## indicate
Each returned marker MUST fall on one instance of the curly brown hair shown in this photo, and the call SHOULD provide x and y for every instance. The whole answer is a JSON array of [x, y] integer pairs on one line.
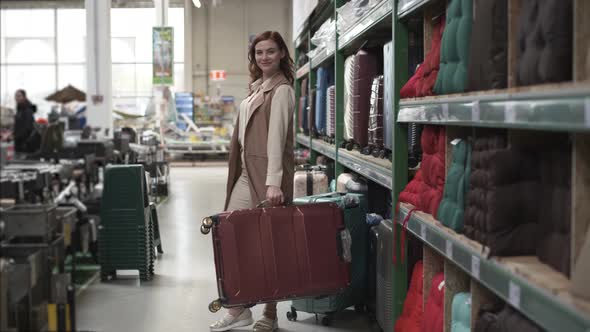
[[286, 66]]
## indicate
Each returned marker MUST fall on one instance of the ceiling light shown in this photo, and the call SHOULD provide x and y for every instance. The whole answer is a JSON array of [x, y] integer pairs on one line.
[[197, 3]]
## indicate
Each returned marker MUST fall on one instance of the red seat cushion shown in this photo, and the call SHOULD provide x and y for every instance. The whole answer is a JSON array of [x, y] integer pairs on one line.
[[423, 80], [434, 314], [425, 191], [411, 318]]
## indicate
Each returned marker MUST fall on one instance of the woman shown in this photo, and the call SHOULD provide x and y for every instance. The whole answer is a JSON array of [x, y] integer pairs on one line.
[[23, 121], [261, 161]]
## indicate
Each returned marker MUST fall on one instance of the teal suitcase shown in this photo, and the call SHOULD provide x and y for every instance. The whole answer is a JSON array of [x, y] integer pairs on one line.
[[355, 211]]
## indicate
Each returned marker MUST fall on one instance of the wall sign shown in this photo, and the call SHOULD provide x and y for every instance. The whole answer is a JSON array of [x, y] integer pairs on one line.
[[163, 56]]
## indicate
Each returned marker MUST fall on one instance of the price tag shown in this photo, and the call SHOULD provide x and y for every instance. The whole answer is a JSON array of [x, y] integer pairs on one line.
[[449, 249], [445, 111], [475, 266], [587, 111], [509, 113], [423, 231], [514, 294], [475, 116]]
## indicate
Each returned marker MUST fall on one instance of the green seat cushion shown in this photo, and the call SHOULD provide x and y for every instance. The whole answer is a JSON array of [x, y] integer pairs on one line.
[[455, 48], [452, 206], [461, 313]]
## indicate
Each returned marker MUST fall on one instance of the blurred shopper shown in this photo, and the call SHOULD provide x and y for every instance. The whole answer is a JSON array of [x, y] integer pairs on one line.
[[261, 160], [23, 121]]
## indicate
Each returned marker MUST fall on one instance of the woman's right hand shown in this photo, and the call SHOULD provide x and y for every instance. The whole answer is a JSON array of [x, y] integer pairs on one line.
[[274, 195]]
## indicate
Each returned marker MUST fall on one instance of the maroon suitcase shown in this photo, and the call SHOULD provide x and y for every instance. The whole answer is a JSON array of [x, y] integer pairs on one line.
[[363, 73], [280, 253]]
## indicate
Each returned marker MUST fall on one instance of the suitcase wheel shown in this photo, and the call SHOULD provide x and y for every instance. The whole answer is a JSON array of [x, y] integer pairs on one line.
[[206, 225], [292, 315], [215, 306], [359, 308], [208, 222], [205, 230], [377, 153], [327, 320], [349, 146]]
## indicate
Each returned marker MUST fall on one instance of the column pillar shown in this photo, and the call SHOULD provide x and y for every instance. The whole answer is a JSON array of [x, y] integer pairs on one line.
[[98, 68], [188, 45]]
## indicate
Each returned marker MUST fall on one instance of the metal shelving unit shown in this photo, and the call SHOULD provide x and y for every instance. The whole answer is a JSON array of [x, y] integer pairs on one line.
[[538, 304], [370, 170], [303, 140], [324, 148], [560, 107], [407, 7], [364, 25], [555, 110], [322, 58], [303, 71]]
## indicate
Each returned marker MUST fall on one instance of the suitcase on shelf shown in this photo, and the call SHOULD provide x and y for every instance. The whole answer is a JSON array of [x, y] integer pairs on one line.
[[387, 95], [297, 251], [331, 114], [303, 127], [414, 147], [303, 108], [364, 71], [343, 180], [383, 237], [349, 64], [311, 127], [320, 102], [375, 130], [357, 185], [310, 181], [372, 266], [355, 211]]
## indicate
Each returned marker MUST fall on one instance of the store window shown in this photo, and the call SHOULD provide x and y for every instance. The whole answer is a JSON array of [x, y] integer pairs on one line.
[[131, 51], [28, 55], [51, 53]]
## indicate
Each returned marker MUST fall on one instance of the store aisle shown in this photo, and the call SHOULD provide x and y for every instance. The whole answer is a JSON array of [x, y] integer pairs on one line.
[[177, 298]]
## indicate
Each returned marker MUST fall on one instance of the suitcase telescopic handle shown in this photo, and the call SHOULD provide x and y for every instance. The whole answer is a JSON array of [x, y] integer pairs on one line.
[[316, 197]]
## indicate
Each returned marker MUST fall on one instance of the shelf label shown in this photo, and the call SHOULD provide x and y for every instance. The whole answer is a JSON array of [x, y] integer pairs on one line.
[[475, 116], [423, 231], [587, 111], [475, 266], [445, 111], [514, 294], [449, 249], [509, 113]]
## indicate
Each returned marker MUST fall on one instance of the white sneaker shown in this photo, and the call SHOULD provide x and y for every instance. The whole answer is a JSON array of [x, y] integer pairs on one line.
[[229, 322], [266, 325]]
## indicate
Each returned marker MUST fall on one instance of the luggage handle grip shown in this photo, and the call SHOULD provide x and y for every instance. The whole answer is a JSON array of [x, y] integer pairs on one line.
[[265, 203]]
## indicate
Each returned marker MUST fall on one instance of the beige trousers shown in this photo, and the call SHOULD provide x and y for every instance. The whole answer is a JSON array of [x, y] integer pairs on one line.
[[240, 196]]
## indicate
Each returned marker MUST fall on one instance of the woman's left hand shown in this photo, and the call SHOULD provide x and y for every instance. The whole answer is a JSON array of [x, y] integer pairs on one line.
[[274, 195]]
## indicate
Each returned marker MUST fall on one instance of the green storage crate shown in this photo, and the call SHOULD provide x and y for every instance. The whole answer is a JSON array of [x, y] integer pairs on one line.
[[126, 232], [355, 294]]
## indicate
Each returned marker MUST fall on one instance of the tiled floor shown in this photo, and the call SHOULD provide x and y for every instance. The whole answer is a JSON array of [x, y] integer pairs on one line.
[[176, 300]]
